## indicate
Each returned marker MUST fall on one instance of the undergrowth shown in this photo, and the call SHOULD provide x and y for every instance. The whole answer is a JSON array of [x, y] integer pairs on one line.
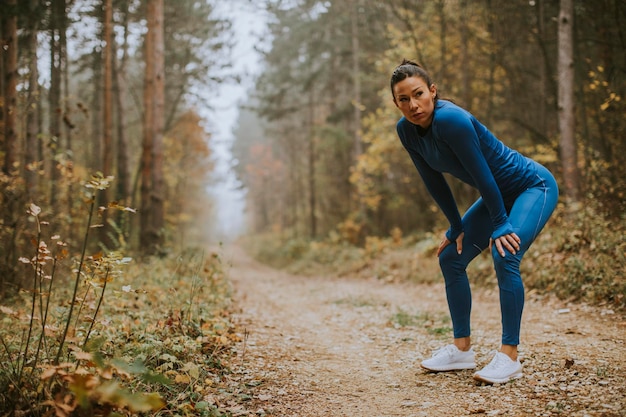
[[579, 256], [582, 258], [102, 335]]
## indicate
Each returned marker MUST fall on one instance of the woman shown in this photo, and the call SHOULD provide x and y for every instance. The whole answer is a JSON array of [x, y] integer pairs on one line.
[[517, 196]]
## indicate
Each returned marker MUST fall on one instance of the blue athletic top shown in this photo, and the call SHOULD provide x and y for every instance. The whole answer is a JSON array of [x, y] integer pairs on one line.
[[457, 143]]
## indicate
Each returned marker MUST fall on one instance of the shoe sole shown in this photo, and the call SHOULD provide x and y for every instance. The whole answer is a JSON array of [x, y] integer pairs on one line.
[[497, 380], [454, 367]]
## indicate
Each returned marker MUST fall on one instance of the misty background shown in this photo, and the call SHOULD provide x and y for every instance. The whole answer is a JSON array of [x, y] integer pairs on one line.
[[227, 190]]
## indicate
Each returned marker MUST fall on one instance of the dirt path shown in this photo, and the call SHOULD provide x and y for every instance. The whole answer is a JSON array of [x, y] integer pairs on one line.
[[333, 346]]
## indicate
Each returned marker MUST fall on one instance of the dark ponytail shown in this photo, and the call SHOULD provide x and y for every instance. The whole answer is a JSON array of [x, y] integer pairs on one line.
[[409, 69]]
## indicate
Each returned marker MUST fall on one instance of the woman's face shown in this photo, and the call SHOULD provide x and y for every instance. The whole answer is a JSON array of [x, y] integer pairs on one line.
[[416, 100]]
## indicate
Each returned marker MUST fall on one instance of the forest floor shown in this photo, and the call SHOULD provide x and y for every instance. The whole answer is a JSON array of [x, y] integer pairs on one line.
[[348, 346]]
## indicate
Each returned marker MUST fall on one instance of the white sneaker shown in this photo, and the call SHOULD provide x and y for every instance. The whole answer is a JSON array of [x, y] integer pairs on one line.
[[450, 358], [501, 369]]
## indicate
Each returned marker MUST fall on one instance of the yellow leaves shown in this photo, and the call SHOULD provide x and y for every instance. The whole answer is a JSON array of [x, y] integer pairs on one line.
[[377, 171], [112, 393], [82, 385], [187, 374], [192, 370], [612, 97], [358, 105], [142, 322], [117, 206], [99, 181], [94, 382], [542, 153], [89, 386], [372, 201], [350, 231], [182, 379], [601, 86]]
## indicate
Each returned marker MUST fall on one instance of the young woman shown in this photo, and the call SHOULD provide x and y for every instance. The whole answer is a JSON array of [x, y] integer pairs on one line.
[[517, 196]]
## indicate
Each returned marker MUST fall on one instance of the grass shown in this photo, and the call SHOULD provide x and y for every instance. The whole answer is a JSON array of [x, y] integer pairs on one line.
[[435, 324], [403, 318], [356, 302]]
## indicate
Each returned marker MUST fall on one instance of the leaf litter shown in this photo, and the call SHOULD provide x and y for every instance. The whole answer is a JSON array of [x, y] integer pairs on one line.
[[277, 344], [311, 347]]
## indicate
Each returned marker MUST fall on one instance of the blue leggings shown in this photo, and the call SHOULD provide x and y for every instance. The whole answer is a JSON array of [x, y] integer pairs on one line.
[[528, 215]]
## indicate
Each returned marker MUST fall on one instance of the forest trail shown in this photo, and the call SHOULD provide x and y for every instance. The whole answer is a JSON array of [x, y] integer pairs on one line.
[[334, 346]]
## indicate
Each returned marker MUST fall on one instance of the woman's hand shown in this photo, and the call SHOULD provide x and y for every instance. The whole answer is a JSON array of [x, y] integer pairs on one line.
[[445, 242], [509, 242]]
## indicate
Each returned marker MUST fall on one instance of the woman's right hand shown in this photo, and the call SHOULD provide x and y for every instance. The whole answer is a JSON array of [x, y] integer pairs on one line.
[[445, 242]]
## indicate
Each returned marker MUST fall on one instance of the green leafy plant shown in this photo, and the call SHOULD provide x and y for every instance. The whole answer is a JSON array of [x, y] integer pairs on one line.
[[50, 363]]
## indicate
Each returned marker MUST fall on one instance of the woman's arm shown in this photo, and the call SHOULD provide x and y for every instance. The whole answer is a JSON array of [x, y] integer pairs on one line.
[[457, 130], [439, 189]]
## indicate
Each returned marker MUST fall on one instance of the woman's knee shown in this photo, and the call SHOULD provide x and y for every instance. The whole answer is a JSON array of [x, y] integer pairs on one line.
[[506, 265], [450, 261]]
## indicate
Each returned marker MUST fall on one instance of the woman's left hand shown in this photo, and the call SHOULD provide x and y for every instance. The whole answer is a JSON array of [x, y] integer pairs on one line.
[[509, 242]]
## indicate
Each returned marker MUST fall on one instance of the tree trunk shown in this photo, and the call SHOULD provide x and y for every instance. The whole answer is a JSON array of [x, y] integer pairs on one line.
[[158, 182], [145, 222], [544, 69], [9, 54], [32, 156], [8, 119], [95, 151], [152, 215], [107, 116], [54, 101], [311, 173], [465, 74], [358, 99], [443, 50], [123, 165], [356, 71], [107, 113], [491, 12], [66, 147], [567, 142]]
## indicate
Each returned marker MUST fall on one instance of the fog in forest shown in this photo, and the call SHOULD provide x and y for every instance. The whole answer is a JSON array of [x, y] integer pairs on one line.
[[227, 191], [274, 117]]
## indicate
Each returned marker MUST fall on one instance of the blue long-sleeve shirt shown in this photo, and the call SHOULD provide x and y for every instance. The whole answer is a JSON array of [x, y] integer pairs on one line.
[[457, 143]]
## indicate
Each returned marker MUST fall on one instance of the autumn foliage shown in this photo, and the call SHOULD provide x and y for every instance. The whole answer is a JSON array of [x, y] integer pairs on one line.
[[118, 344], [324, 107]]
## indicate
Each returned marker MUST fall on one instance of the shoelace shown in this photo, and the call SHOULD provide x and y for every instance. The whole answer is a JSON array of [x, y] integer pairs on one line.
[[496, 362], [445, 350]]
